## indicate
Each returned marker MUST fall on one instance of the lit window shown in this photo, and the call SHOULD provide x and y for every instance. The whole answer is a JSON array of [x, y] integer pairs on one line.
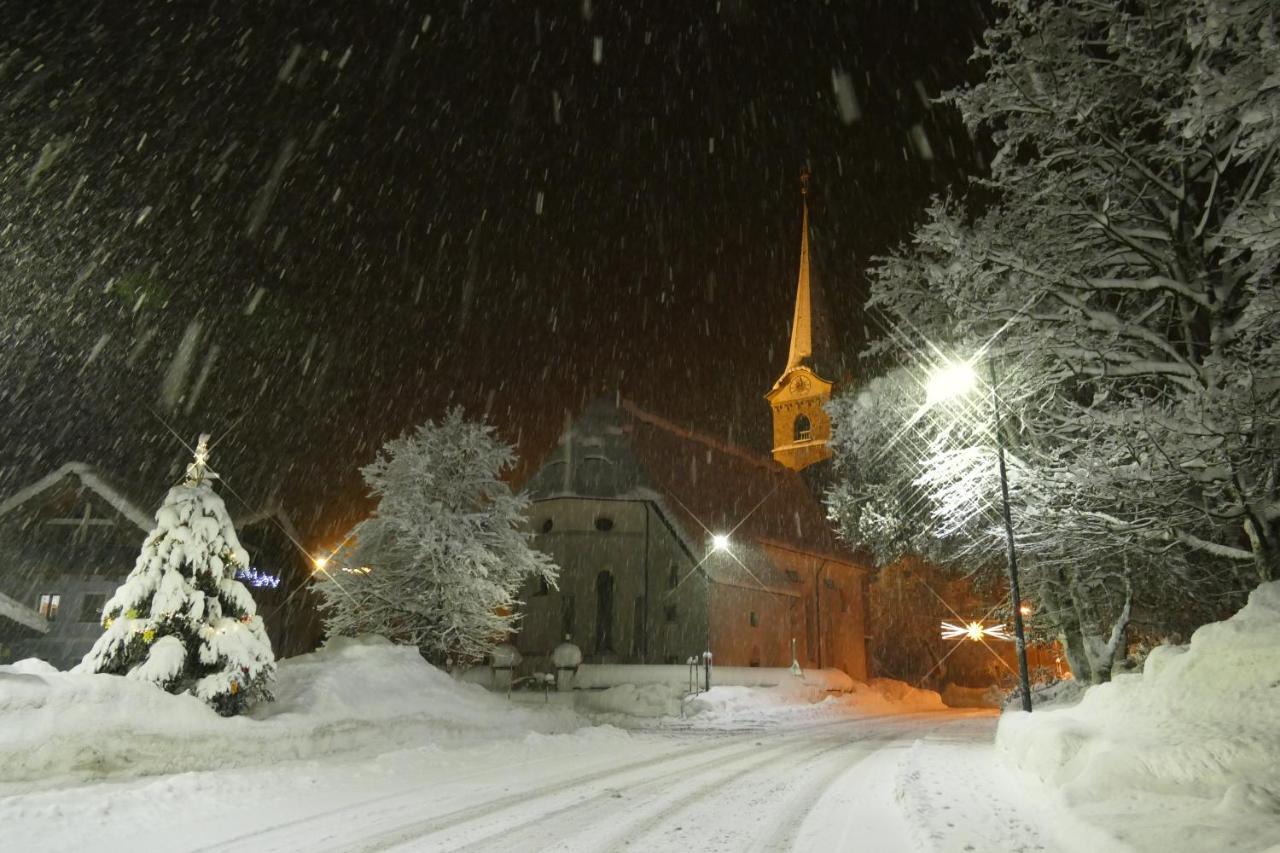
[[49, 606]]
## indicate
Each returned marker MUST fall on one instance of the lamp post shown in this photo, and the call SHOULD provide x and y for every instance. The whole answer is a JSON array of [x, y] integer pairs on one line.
[[953, 381]]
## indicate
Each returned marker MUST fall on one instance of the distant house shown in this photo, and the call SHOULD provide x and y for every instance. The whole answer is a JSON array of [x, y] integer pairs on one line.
[[69, 539], [672, 543]]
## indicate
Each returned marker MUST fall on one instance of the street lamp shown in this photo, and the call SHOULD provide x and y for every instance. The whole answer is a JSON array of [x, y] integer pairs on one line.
[[720, 542], [949, 382]]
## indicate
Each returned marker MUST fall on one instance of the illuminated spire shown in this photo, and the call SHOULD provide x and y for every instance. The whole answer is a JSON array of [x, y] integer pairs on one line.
[[802, 321]]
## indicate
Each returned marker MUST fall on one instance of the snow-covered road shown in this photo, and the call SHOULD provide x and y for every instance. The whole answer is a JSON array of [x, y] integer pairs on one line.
[[907, 782]]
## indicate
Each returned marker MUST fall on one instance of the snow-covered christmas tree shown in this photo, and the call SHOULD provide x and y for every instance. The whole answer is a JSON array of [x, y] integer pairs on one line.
[[438, 564], [181, 620]]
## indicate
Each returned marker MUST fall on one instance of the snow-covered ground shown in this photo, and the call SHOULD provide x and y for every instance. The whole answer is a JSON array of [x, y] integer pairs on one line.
[[1184, 756], [369, 748]]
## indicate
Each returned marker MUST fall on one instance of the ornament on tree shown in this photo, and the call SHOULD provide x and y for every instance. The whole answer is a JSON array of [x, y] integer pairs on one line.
[[181, 620]]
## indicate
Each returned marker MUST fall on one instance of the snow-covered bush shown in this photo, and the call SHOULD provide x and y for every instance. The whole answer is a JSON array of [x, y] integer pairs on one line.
[[181, 620], [438, 563]]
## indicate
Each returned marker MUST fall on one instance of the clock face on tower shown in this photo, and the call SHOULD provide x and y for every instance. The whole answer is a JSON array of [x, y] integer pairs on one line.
[[800, 384]]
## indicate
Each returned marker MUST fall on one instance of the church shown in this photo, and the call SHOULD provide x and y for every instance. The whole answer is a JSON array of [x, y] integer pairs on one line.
[[672, 543]]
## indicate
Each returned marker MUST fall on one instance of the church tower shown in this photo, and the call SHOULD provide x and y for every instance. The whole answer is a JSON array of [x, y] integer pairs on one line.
[[801, 429]]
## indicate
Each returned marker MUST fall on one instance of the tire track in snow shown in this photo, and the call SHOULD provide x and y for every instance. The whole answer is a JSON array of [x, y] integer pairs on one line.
[[377, 812], [541, 805], [602, 809], [785, 828]]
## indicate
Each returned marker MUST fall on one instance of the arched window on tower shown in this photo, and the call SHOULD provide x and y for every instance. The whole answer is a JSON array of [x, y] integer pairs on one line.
[[803, 429]]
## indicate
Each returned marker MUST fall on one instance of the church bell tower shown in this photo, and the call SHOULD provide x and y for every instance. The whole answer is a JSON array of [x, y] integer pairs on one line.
[[801, 429]]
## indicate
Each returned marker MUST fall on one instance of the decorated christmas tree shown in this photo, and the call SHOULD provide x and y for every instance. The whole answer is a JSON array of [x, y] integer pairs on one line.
[[181, 620]]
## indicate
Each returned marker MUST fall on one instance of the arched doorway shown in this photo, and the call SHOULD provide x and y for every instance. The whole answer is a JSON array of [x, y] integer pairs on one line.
[[604, 612]]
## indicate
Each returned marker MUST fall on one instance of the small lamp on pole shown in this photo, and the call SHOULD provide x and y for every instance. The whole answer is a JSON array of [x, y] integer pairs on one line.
[[955, 380]]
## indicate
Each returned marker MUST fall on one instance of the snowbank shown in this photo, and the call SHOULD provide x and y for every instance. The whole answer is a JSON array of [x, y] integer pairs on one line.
[[364, 694], [1189, 750], [597, 676], [729, 705]]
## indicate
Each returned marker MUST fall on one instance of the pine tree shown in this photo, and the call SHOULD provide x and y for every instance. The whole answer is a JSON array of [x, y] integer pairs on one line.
[[438, 564], [181, 620]]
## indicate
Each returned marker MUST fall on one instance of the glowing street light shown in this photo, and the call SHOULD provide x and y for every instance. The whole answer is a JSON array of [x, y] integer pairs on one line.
[[320, 563], [947, 383], [720, 542], [974, 631]]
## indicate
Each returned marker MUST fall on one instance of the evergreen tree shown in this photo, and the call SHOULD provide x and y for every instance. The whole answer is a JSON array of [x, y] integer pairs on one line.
[[438, 564], [181, 620]]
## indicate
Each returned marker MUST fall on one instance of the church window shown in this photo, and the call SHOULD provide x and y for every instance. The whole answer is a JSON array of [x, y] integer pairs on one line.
[[669, 612], [803, 428], [604, 523], [639, 630], [673, 576], [755, 619], [543, 586], [604, 612], [793, 575], [547, 525], [566, 616]]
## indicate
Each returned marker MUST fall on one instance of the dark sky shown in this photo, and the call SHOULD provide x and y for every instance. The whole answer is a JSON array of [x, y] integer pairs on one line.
[[360, 213]]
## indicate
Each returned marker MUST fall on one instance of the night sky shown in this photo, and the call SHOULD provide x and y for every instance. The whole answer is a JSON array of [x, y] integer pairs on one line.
[[358, 214]]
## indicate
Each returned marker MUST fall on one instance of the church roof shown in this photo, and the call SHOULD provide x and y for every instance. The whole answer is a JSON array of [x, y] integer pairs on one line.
[[615, 449]]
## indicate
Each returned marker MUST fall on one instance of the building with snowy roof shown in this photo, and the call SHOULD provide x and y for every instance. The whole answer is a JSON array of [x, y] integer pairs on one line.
[[70, 538]]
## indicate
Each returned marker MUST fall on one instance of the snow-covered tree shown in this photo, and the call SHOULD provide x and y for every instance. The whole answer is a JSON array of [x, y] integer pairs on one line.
[[1122, 276], [181, 620], [438, 563]]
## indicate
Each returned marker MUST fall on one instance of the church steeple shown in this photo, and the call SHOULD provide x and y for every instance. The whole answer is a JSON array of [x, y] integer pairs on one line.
[[802, 320], [801, 428]]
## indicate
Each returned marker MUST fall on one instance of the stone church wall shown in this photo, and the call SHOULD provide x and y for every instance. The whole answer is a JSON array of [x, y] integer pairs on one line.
[[616, 598]]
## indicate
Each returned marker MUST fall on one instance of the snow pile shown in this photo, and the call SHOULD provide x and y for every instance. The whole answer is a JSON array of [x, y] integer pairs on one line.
[[597, 676], [363, 693], [795, 700], [1190, 744]]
